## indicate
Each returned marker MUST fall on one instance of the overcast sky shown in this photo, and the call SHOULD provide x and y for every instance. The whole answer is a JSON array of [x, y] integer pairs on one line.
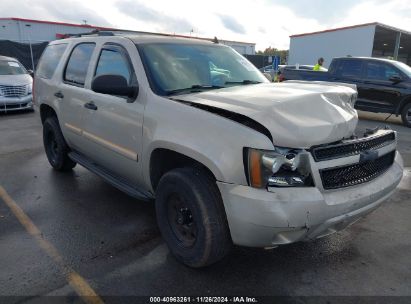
[[265, 22]]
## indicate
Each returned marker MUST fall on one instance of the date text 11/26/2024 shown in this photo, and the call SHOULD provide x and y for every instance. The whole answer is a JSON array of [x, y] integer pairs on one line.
[[239, 299]]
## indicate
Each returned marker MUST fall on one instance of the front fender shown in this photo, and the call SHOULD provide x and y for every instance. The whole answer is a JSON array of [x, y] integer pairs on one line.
[[214, 141]]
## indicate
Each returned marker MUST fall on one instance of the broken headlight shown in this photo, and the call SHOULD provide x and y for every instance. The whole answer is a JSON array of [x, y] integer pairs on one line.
[[279, 168]]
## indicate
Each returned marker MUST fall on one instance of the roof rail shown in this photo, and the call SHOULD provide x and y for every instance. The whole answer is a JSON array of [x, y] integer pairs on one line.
[[105, 33], [97, 32], [92, 33]]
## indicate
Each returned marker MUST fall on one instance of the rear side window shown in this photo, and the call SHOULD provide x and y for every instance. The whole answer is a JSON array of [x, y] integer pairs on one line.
[[350, 69], [112, 61], [49, 60], [77, 66]]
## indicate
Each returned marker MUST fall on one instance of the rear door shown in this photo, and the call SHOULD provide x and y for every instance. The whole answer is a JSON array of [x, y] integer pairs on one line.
[[381, 94], [71, 94], [113, 127]]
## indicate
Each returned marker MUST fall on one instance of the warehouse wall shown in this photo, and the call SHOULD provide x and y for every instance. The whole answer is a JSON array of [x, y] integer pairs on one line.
[[242, 48], [17, 31], [307, 49], [37, 32]]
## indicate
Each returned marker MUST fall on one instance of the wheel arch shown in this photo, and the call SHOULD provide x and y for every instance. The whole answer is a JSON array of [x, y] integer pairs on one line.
[[46, 111], [162, 160], [404, 101]]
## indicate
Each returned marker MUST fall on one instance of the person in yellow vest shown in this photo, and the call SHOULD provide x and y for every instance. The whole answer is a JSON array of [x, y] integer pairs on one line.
[[319, 64]]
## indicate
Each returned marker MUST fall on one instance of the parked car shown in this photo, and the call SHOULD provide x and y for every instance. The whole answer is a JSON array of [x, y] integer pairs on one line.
[[384, 86], [305, 67], [15, 86], [244, 162], [270, 70]]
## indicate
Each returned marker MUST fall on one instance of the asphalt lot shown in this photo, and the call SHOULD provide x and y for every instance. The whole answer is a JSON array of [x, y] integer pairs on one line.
[[112, 240]]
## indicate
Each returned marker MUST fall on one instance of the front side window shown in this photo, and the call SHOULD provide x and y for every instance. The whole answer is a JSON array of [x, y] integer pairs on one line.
[[380, 71], [49, 60], [113, 62], [77, 66], [8, 67], [174, 67]]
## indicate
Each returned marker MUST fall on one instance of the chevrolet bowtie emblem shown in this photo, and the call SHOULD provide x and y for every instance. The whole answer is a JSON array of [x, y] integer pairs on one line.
[[368, 155]]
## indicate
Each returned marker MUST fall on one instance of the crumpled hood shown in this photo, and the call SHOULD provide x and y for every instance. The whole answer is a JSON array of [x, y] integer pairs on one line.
[[298, 114], [15, 80]]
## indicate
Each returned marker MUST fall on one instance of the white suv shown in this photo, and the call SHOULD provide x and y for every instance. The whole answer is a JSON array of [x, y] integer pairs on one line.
[[228, 157]]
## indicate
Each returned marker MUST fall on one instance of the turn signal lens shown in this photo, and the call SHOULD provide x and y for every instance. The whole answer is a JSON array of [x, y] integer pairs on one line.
[[255, 169]]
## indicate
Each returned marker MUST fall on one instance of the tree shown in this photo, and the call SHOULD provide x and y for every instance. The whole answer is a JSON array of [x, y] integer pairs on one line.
[[275, 52]]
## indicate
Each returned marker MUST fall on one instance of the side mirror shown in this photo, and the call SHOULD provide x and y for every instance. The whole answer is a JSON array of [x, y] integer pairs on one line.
[[113, 85], [31, 73], [395, 79], [268, 76]]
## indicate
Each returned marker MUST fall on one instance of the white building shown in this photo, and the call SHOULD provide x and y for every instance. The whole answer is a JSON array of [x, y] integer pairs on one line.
[[25, 30], [365, 40]]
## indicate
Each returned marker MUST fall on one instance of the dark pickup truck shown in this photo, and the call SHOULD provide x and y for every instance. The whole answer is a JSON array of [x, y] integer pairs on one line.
[[384, 86]]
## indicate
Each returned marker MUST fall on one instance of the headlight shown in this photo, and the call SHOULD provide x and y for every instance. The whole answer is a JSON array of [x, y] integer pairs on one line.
[[29, 89], [279, 168]]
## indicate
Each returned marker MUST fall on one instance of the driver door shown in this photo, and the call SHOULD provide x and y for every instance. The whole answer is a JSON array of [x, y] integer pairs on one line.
[[113, 124], [379, 91]]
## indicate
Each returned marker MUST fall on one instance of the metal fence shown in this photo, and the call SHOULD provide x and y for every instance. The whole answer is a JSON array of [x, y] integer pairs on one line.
[[21, 51]]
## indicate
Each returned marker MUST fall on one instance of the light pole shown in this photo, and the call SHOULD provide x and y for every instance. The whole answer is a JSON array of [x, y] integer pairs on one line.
[[31, 49]]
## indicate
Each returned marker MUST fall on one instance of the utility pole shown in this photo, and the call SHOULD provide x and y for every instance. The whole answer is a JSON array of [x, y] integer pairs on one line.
[[31, 49]]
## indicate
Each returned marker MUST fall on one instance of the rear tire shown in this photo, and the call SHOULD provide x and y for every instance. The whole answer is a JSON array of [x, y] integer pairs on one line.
[[55, 146], [191, 217], [406, 115]]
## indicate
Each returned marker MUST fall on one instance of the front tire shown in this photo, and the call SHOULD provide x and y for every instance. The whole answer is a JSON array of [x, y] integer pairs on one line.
[[55, 146], [406, 115], [191, 217]]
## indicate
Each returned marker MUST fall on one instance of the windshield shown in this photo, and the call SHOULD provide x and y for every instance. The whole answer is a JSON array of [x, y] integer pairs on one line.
[[11, 68], [184, 68], [406, 69]]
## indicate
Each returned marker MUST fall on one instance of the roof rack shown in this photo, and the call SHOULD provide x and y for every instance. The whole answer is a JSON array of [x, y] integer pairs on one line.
[[96, 32]]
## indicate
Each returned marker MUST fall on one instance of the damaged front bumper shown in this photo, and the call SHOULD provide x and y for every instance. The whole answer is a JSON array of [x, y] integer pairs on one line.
[[260, 218]]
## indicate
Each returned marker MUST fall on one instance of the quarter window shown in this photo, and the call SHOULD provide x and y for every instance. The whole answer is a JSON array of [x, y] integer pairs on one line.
[[77, 66], [49, 60]]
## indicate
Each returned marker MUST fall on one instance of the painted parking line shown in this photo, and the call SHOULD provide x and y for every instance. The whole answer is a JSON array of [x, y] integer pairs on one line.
[[76, 281]]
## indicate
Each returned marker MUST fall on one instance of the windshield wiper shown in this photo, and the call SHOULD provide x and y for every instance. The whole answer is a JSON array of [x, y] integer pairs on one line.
[[193, 89], [246, 81]]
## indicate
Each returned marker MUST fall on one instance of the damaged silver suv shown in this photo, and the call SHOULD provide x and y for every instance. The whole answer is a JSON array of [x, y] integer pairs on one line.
[[228, 157]]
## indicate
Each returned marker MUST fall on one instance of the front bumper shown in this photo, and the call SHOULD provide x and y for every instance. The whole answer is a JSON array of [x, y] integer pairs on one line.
[[258, 218], [9, 104]]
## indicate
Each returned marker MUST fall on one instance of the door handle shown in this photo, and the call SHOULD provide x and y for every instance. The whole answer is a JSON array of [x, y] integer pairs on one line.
[[90, 105], [59, 94]]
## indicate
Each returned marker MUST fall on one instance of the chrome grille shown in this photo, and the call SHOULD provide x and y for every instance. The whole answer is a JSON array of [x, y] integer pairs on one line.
[[351, 148], [13, 91]]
